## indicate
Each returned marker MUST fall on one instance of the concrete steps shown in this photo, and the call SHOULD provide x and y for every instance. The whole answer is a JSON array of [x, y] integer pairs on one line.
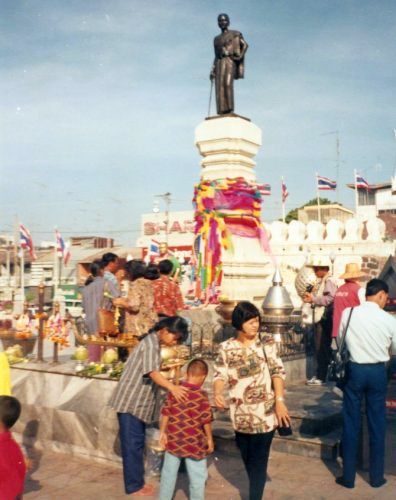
[[316, 422]]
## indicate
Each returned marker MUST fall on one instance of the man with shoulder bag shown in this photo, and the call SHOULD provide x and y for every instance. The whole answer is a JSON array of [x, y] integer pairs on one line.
[[370, 335]]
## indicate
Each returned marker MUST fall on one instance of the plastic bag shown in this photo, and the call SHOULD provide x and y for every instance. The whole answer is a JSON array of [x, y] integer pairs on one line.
[[154, 452]]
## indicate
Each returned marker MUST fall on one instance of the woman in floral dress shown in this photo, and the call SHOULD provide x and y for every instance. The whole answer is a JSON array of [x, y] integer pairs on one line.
[[254, 374], [139, 304]]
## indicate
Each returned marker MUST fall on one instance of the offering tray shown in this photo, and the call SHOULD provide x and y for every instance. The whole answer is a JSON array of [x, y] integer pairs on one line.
[[129, 341], [26, 340], [172, 369]]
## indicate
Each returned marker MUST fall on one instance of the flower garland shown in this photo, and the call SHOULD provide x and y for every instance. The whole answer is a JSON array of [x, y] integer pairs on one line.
[[56, 331], [223, 207]]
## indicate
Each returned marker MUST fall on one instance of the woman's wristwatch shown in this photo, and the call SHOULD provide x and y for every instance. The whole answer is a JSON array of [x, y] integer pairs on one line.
[[280, 398]]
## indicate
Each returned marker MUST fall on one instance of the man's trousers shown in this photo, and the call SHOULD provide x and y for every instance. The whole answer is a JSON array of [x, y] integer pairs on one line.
[[364, 381]]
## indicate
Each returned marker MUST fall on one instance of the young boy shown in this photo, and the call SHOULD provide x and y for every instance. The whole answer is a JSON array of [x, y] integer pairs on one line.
[[12, 463], [185, 432]]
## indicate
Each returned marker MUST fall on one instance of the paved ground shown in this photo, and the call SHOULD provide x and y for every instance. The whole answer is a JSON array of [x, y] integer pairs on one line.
[[56, 476]]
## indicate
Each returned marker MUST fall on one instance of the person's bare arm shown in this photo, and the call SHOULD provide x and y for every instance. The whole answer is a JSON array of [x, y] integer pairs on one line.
[[209, 437], [179, 393], [218, 388], [281, 411], [163, 439]]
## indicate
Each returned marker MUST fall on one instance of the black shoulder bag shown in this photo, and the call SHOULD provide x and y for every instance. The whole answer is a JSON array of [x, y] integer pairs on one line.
[[336, 371]]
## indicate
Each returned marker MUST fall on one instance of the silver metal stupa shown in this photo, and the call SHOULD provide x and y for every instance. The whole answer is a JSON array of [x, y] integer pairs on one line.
[[277, 307]]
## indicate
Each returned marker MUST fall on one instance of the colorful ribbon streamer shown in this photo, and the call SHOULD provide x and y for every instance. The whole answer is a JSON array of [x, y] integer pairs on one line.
[[223, 207]]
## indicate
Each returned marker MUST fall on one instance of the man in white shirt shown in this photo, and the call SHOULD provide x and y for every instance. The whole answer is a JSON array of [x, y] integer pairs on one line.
[[370, 335]]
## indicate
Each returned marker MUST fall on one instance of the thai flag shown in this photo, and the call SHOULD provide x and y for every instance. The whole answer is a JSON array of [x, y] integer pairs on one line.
[[285, 192], [62, 248], [154, 247], [26, 241], [326, 184], [361, 183], [264, 189]]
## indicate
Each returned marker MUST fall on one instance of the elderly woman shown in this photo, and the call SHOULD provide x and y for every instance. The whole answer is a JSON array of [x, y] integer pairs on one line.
[[94, 298], [254, 374]]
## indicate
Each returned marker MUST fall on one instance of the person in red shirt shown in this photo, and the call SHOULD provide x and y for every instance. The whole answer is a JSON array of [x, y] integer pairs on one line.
[[12, 463], [186, 432], [350, 294], [167, 295]]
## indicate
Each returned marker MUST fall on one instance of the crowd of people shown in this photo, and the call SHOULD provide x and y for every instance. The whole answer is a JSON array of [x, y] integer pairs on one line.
[[355, 314], [255, 375], [151, 292], [248, 377]]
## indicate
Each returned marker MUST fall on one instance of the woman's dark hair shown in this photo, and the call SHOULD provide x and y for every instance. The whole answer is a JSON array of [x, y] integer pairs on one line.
[[10, 409], [165, 267], [152, 272], [243, 311], [375, 286], [174, 324], [109, 257], [135, 269], [94, 268]]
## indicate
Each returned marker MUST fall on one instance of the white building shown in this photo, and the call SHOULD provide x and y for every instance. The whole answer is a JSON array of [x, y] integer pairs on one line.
[[380, 199]]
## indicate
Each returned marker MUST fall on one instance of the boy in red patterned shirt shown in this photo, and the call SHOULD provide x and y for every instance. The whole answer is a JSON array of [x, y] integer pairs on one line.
[[186, 432]]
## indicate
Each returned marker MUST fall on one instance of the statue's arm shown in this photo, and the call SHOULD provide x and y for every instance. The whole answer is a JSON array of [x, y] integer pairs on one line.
[[244, 46]]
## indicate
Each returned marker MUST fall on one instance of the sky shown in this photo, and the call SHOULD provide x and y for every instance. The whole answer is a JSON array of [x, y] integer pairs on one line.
[[100, 100]]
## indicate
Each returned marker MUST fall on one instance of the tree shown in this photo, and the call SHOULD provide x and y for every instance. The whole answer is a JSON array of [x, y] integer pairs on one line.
[[293, 214]]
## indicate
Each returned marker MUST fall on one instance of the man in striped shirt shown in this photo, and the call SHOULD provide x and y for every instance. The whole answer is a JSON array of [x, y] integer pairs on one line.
[[134, 398]]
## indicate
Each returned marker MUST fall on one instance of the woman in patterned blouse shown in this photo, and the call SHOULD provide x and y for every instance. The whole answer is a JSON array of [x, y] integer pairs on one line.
[[140, 315], [254, 374]]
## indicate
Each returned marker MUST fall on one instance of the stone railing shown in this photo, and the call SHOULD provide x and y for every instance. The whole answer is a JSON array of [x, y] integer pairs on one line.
[[352, 230]]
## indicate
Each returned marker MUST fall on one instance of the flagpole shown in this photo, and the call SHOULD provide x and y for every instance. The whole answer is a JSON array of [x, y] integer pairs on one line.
[[56, 271], [22, 264], [283, 203], [318, 199], [356, 194], [16, 240]]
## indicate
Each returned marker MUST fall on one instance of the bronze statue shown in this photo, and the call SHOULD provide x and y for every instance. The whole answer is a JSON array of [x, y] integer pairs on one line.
[[230, 48]]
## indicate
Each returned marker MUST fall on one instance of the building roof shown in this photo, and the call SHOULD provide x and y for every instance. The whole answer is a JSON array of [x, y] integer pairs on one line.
[[374, 187], [334, 206], [97, 253]]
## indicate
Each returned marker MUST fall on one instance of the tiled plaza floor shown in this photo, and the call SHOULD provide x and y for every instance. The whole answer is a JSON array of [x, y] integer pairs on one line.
[[56, 476]]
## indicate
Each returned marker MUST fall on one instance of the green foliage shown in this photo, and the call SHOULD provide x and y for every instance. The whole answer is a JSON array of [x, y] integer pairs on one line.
[[293, 214], [29, 296]]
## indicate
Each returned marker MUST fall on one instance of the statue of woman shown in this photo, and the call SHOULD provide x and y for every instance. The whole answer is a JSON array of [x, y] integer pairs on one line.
[[230, 48]]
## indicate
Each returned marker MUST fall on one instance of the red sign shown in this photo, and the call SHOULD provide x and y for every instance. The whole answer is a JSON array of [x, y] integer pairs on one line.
[[152, 228]]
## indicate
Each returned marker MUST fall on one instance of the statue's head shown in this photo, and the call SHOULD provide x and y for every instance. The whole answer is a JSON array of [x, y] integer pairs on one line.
[[223, 21]]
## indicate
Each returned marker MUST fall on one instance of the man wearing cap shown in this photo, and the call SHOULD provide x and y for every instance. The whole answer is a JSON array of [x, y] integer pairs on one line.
[[370, 335], [350, 294], [321, 298]]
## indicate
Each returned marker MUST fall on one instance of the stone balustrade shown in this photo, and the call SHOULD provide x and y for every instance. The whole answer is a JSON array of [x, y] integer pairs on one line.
[[335, 231]]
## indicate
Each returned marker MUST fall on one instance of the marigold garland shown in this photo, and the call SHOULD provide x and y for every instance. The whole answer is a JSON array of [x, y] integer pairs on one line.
[[223, 207]]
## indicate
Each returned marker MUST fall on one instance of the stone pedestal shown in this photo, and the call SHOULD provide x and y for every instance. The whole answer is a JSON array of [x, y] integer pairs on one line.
[[228, 145]]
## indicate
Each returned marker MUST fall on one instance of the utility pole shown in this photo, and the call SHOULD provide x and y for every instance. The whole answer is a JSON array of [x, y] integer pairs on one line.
[[337, 160], [16, 244], [337, 164], [166, 197]]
